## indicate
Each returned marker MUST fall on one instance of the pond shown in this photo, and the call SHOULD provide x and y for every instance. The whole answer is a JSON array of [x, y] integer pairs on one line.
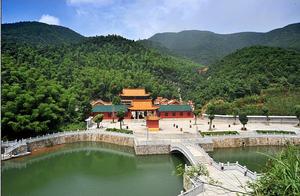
[[88, 168], [255, 158]]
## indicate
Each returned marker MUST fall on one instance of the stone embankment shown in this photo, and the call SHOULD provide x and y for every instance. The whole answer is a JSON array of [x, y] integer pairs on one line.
[[32, 144], [251, 140], [144, 147]]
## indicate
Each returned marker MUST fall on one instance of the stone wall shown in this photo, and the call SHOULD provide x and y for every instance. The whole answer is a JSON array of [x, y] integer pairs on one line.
[[151, 149], [208, 147], [97, 137], [253, 141], [21, 149]]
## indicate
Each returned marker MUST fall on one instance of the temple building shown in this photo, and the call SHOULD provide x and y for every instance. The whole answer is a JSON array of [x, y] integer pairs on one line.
[[175, 111], [141, 108], [129, 94], [110, 111], [138, 104]]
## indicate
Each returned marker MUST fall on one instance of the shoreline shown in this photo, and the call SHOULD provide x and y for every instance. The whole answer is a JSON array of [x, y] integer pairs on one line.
[[153, 146]]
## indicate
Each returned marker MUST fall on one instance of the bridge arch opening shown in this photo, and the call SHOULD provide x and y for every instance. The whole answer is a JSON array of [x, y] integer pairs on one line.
[[181, 155]]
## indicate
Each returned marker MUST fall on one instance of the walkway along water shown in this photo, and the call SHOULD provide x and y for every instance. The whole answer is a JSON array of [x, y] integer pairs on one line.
[[232, 175]]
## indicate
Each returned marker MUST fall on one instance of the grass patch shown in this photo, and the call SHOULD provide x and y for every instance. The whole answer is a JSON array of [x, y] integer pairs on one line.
[[74, 126], [211, 133], [119, 130], [275, 132]]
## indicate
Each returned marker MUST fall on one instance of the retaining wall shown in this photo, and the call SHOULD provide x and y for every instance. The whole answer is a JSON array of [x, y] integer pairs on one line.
[[253, 141], [38, 143], [152, 149]]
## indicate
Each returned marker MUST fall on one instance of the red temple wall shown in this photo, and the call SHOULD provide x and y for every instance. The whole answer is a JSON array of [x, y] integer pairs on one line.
[[108, 115], [175, 115]]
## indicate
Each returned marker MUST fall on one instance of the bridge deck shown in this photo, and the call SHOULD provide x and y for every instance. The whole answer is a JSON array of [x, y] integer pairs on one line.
[[231, 180]]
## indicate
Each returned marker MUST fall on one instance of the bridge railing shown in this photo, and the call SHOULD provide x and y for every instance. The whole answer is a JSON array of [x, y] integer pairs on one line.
[[11, 145], [197, 188], [230, 166], [235, 166], [197, 185]]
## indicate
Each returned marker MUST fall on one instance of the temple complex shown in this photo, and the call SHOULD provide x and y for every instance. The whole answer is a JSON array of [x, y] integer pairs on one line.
[[138, 104]]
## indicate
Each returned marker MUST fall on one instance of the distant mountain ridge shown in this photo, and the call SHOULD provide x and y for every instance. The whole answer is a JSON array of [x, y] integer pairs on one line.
[[206, 47], [38, 33]]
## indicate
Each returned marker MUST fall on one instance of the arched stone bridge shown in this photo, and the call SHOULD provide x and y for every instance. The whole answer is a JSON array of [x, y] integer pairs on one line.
[[194, 153]]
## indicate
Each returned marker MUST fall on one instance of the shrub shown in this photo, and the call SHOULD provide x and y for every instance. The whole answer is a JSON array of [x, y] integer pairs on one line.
[[119, 130], [218, 133], [282, 175], [74, 126], [275, 132]]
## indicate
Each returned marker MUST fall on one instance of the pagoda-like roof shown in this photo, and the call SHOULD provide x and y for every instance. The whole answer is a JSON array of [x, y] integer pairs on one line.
[[142, 105], [134, 92]]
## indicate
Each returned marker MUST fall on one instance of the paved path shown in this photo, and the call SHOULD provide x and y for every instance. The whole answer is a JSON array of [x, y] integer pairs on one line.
[[188, 128], [232, 178]]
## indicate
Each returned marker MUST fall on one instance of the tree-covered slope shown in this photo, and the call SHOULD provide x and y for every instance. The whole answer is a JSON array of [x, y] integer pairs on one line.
[[207, 47], [47, 87], [248, 71], [38, 33]]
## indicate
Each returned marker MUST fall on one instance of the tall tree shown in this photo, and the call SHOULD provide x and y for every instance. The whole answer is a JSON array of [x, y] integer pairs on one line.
[[121, 115], [211, 111], [235, 112], [196, 113], [266, 112], [98, 119], [243, 119]]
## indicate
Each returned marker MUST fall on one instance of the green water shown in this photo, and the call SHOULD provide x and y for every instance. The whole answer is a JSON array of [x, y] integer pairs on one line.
[[91, 169], [255, 158]]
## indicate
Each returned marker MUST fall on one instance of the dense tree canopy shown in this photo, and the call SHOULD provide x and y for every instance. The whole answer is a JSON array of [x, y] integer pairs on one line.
[[46, 87], [248, 71], [206, 47]]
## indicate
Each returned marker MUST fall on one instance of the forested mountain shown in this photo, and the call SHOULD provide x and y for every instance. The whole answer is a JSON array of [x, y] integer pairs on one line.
[[47, 87], [207, 47], [38, 33], [250, 70]]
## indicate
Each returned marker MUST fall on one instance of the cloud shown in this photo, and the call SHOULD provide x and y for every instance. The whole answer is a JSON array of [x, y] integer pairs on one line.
[[45, 18], [91, 2], [139, 19]]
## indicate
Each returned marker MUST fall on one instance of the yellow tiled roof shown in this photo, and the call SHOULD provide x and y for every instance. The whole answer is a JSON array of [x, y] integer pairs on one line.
[[142, 105], [152, 118], [134, 92]]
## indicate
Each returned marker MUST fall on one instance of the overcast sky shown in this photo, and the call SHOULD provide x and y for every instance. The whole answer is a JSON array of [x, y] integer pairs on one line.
[[139, 19]]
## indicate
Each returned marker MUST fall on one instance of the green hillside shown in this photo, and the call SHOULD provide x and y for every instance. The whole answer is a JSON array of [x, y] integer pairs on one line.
[[250, 70], [38, 33], [207, 47], [46, 88], [279, 101]]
